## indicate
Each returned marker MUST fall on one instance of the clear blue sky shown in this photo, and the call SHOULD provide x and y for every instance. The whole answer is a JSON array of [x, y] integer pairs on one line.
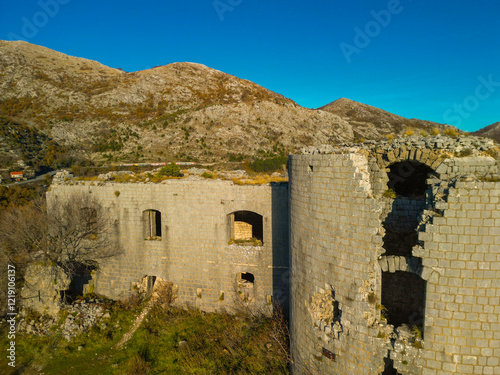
[[433, 60]]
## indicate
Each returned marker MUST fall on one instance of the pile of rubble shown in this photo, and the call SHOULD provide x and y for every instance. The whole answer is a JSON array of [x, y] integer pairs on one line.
[[76, 318], [454, 145]]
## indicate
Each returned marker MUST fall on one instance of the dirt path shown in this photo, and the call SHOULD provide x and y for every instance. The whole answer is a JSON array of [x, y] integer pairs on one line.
[[136, 325]]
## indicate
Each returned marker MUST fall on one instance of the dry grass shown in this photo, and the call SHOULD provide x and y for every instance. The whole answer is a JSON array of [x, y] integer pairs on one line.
[[450, 132], [389, 193], [252, 179], [258, 180], [390, 137], [494, 152], [435, 131], [409, 132]]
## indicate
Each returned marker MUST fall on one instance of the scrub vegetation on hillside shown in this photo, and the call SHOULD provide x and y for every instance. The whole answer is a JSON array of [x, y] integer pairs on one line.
[[170, 340]]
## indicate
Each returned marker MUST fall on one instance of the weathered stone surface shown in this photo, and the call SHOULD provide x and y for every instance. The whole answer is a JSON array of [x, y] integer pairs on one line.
[[450, 254], [42, 287], [190, 245]]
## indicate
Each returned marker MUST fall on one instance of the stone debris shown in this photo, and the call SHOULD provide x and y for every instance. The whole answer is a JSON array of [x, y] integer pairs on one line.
[[476, 145], [81, 316], [109, 175], [62, 176]]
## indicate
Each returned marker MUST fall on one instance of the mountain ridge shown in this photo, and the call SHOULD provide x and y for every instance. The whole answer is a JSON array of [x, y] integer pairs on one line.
[[178, 111], [491, 131]]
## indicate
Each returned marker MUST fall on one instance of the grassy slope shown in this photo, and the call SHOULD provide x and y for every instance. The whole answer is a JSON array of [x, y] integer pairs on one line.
[[215, 344]]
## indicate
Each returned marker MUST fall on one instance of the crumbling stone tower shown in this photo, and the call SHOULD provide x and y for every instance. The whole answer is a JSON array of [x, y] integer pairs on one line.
[[395, 250]]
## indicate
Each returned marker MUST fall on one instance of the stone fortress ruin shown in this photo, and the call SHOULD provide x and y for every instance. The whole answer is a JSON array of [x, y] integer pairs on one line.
[[218, 242], [387, 253], [395, 251]]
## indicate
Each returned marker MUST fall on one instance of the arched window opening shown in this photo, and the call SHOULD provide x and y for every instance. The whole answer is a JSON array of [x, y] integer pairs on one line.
[[403, 297], [246, 228], [152, 224], [409, 178]]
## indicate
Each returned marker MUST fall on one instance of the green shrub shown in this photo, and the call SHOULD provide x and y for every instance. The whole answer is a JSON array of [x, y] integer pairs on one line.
[[171, 170], [465, 152], [389, 193], [416, 332], [248, 242], [235, 158], [207, 175], [269, 164]]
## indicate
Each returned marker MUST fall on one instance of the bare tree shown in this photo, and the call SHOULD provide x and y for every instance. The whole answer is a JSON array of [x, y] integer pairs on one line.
[[72, 233]]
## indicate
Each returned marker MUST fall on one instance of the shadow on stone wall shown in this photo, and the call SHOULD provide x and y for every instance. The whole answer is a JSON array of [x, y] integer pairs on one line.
[[280, 225]]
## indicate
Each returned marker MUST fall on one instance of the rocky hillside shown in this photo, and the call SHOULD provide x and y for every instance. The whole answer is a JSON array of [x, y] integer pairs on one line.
[[491, 131], [181, 111], [371, 123]]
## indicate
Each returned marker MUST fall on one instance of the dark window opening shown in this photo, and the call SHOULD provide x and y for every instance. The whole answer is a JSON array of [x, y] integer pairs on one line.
[[389, 366], [246, 227], [152, 225], [409, 178], [399, 242], [310, 168], [146, 285], [403, 296], [150, 283], [247, 277]]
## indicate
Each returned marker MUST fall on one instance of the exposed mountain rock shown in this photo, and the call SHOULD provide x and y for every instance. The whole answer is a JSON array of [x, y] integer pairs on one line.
[[179, 111], [371, 122], [491, 131]]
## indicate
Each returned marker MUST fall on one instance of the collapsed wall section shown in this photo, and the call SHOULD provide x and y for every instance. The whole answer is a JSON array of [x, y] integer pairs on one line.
[[180, 231], [417, 293], [460, 251]]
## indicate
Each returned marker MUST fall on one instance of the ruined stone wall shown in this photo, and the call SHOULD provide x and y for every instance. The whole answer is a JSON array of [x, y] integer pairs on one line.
[[441, 297], [461, 245], [192, 250], [334, 226]]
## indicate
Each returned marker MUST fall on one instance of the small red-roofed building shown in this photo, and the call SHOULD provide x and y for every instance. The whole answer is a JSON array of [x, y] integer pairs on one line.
[[17, 176]]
